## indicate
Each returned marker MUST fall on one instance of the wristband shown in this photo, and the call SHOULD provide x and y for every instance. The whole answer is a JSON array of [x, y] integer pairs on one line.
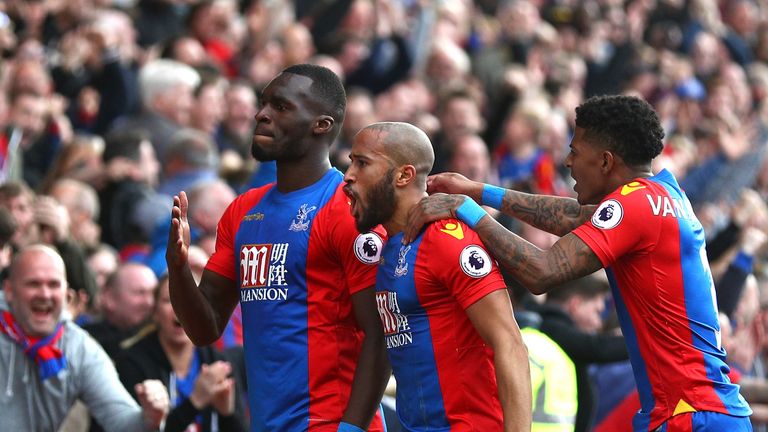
[[470, 212], [346, 427], [744, 262], [493, 196]]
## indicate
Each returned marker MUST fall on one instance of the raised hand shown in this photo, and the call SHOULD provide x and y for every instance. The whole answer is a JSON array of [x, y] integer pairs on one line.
[[177, 253]]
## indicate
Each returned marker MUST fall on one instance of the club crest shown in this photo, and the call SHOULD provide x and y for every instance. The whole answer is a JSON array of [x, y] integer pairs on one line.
[[300, 222], [402, 265]]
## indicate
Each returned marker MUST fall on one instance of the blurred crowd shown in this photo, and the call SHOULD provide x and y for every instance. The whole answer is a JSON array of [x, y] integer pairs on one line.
[[110, 107]]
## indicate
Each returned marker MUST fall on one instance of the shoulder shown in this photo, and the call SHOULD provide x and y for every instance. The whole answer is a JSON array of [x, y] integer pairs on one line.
[[631, 201]]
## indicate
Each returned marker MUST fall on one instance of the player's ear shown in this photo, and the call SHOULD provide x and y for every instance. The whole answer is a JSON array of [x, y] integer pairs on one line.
[[323, 124], [609, 160], [405, 175]]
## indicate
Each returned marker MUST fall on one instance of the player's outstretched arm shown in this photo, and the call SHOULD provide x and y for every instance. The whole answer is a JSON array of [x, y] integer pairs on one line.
[[538, 270], [494, 320], [203, 311], [556, 215], [373, 369]]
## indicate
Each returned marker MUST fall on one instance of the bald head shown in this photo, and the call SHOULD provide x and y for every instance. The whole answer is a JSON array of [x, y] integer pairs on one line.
[[405, 144], [31, 254]]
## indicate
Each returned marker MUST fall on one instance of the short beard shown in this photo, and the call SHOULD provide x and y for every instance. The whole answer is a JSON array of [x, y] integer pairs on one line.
[[381, 204], [260, 154]]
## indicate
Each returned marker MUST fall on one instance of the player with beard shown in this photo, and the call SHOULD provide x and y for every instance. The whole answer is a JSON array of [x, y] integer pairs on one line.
[[289, 253], [455, 348]]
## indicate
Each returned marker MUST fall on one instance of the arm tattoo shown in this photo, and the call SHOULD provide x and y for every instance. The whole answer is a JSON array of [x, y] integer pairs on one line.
[[537, 269], [552, 214]]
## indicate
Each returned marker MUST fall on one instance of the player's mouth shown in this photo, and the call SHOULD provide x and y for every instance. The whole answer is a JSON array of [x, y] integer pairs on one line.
[[353, 200]]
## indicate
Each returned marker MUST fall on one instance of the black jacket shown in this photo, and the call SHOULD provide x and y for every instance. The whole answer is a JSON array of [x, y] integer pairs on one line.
[[583, 348], [147, 360]]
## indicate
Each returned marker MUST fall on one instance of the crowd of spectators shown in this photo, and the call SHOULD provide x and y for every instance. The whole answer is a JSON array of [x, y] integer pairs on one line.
[[109, 107]]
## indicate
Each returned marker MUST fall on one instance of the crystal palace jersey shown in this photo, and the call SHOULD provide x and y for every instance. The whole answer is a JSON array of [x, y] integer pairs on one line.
[[444, 371], [652, 246], [297, 259]]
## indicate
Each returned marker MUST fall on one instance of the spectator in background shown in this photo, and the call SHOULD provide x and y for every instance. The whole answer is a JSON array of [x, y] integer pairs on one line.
[[360, 113], [572, 317], [81, 160], [520, 162], [191, 158], [125, 306], [211, 198], [166, 88], [132, 173], [82, 204], [62, 363], [202, 392], [7, 229], [18, 199], [470, 158], [102, 261], [208, 105], [233, 137]]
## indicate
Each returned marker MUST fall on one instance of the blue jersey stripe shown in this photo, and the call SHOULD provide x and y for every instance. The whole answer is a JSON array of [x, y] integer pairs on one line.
[[701, 304], [409, 340], [273, 298], [639, 369]]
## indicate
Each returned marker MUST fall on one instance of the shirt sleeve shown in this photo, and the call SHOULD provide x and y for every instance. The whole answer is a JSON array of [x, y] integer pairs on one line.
[[359, 252], [459, 261], [620, 225], [222, 261], [101, 390]]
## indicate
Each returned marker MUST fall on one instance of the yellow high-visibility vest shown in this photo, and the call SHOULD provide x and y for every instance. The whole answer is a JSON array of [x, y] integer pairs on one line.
[[553, 381]]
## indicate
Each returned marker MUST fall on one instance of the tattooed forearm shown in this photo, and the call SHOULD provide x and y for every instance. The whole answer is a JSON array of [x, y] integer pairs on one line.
[[552, 214], [537, 269]]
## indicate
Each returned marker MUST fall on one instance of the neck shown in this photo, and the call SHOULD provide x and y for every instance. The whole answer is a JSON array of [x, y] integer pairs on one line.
[[179, 356], [295, 175], [629, 174], [404, 204]]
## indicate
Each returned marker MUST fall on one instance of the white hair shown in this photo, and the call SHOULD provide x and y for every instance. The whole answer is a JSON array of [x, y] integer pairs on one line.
[[162, 75]]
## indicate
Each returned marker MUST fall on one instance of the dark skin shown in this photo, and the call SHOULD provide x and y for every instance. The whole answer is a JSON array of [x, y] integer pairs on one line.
[[597, 171], [291, 129]]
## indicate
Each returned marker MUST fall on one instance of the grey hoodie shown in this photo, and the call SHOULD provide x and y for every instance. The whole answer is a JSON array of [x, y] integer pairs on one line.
[[29, 404]]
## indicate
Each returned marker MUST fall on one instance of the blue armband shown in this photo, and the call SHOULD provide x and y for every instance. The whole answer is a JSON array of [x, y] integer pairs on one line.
[[346, 427], [470, 212], [743, 262], [493, 196]]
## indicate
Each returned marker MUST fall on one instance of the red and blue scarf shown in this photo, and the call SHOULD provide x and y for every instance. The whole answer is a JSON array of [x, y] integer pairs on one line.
[[44, 352]]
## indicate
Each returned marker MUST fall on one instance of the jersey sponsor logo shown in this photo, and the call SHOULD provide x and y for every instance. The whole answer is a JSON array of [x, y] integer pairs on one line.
[[368, 248], [258, 216], [300, 222], [608, 215], [453, 230], [263, 275], [397, 331], [475, 261], [631, 187], [402, 266], [665, 206]]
